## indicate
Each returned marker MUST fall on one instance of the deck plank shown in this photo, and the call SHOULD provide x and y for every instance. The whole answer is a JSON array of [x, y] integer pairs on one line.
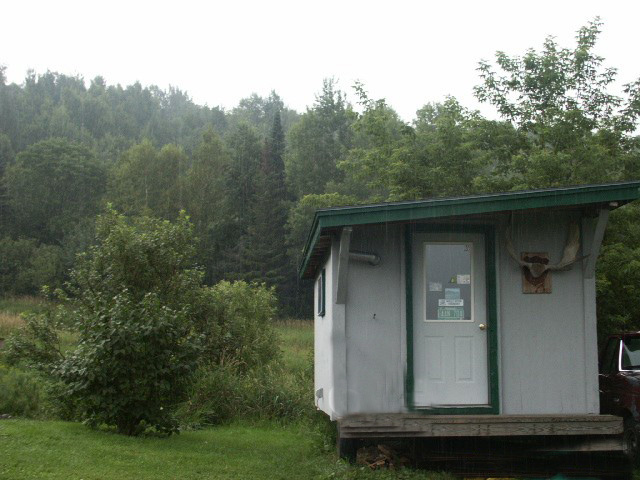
[[416, 425]]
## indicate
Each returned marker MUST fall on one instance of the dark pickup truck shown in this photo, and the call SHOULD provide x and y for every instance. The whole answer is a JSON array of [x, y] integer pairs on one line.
[[620, 385]]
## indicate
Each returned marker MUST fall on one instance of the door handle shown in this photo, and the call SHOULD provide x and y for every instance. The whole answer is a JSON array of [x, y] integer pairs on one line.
[[482, 326]]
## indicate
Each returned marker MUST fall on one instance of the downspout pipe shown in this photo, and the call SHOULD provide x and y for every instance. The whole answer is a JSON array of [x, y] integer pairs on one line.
[[370, 258]]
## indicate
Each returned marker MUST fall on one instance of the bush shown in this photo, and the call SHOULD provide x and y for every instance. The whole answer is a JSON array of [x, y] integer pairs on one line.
[[36, 343], [132, 364], [132, 305], [236, 319], [20, 393], [144, 322]]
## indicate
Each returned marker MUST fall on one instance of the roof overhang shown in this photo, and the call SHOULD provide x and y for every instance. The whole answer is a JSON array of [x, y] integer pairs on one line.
[[330, 220]]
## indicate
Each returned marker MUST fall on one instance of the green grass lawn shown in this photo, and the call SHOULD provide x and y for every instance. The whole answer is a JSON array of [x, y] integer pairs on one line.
[[31, 449], [60, 450]]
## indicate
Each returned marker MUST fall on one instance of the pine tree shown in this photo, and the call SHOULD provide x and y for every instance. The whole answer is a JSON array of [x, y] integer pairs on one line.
[[262, 249]]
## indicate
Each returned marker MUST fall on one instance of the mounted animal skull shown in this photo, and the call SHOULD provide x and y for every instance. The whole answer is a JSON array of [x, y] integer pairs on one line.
[[569, 256]]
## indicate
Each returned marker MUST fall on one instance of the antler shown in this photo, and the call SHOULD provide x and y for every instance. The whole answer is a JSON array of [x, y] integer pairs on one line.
[[536, 269], [569, 255]]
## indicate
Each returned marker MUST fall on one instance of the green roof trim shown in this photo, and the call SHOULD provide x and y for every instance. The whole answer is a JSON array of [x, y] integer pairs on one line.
[[460, 206]]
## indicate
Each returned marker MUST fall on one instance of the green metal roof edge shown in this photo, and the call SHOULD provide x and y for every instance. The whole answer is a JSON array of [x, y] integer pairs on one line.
[[470, 205]]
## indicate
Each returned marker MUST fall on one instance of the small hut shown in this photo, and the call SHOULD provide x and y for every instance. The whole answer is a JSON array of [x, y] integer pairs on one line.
[[461, 317]]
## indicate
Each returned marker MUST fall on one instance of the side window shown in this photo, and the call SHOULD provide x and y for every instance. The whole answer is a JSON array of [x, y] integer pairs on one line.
[[610, 356], [321, 287]]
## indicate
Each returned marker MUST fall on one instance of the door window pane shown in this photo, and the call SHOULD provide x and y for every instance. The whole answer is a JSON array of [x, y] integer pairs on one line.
[[448, 282]]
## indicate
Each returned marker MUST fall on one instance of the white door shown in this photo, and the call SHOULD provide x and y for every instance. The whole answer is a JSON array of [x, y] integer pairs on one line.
[[449, 320]]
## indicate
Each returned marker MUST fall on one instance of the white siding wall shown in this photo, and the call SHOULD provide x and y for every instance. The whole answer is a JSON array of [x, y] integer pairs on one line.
[[542, 342], [322, 345], [375, 362]]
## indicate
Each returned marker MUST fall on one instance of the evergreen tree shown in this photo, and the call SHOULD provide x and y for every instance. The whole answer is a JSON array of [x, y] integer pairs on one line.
[[244, 144], [263, 249]]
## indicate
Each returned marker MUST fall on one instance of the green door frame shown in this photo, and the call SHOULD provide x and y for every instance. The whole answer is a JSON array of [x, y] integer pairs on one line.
[[492, 317]]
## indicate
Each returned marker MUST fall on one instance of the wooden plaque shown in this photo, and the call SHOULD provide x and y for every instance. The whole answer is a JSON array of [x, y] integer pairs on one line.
[[542, 284]]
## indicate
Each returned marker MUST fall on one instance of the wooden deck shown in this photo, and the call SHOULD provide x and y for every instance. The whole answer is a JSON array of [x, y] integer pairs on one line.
[[417, 425]]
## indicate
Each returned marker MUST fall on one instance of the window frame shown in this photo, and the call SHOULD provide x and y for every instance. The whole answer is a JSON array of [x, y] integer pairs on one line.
[[321, 292]]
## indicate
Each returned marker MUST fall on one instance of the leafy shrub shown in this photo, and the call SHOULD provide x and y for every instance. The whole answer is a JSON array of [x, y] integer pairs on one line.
[[130, 301], [36, 343], [20, 393], [236, 319], [132, 305], [144, 322], [132, 363]]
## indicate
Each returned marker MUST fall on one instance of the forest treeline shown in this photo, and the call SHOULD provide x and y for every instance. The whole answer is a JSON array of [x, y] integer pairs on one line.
[[251, 177]]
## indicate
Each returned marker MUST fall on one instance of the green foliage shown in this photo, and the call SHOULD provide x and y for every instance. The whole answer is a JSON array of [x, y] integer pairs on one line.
[[140, 255], [37, 344], [578, 132], [146, 181], [236, 320], [377, 133], [301, 217], [205, 194], [144, 322], [109, 118], [618, 274], [259, 112], [51, 186], [132, 363], [131, 306], [19, 393], [26, 266], [222, 393], [558, 87], [246, 189], [6, 152], [229, 391], [318, 142], [262, 250], [244, 145], [450, 150], [23, 305]]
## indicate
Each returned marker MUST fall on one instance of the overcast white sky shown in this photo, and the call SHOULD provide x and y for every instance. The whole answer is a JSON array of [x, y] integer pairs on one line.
[[409, 52]]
